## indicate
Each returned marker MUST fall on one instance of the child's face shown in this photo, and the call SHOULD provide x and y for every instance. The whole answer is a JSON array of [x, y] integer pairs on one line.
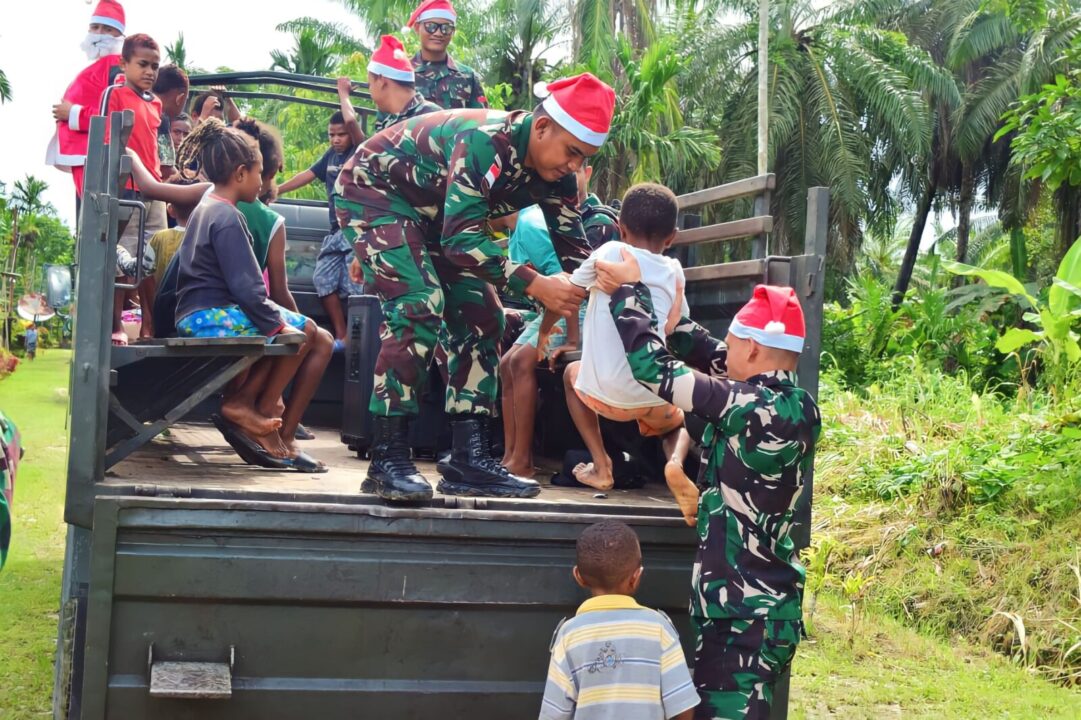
[[339, 137], [142, 69], [250, 181], [178, 130], [553, 152]]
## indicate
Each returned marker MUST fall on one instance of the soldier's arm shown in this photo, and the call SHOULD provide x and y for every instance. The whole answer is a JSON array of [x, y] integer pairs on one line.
[[692, 343], [466, 242], [564, 222], [656, 369], [476, 96]]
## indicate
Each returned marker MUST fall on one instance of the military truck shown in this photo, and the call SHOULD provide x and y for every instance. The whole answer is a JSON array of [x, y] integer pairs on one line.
[[196, 586]]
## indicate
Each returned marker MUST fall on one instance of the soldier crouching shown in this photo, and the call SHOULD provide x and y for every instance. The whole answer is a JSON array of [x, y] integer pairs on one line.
[[747, 585]]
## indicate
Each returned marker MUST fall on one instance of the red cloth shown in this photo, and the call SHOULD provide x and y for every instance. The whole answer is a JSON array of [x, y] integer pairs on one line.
[[144, 133], [68, 146]]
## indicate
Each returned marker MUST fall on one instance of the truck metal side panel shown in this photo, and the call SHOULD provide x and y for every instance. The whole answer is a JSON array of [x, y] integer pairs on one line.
[[343, 611]]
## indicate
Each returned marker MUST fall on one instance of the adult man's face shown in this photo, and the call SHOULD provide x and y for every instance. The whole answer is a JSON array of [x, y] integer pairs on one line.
[[435, 35], [99, 29], [553, 152]]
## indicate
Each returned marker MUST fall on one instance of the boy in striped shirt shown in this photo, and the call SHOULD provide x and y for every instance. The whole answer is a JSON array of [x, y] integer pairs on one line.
[[615, 659]]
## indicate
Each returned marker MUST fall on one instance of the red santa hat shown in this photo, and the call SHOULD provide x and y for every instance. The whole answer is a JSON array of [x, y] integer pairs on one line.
[[433, 10], [390, 60], [109, 12], [582, 105], [772, 317]]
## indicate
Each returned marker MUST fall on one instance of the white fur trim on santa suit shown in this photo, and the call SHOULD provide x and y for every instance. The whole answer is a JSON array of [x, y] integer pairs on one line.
[[436, 14], [772, 336], [377, 68], [73, 118], [568, 123], [59, 160]]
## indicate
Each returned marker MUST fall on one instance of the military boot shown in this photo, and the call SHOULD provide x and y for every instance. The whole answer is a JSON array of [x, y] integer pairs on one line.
[[392, 474], [471, 470]]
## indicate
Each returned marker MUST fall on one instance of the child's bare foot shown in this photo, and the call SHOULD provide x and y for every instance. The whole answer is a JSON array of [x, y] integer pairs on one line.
[[247, 419], [589, 474], [684, 490], [272, 443], [525, 470]]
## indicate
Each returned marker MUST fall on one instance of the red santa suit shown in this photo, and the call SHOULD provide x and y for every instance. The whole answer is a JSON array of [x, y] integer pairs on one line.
[[67, 149]]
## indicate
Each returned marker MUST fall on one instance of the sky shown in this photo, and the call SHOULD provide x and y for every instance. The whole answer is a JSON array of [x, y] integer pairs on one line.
[[236, 34]]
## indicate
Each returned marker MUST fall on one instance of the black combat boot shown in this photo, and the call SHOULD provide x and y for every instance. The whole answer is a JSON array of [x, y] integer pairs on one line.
[[392, 474], [471, 470]]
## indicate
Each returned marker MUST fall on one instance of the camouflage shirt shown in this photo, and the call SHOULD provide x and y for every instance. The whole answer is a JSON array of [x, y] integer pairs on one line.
[[448, 84], [759, 443], [417, 105], [449, 172], [599, 221]]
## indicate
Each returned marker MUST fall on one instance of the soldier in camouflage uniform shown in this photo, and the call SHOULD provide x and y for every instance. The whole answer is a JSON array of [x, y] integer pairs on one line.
[[415, 200], [447, 83], [392, 85], [747, 583]]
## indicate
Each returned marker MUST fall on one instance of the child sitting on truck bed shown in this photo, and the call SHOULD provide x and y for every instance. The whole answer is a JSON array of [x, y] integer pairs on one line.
[[602, 382], [220, 290], [615, 658]]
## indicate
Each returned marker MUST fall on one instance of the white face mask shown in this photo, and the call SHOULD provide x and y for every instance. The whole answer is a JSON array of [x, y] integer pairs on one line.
[[98, 46]]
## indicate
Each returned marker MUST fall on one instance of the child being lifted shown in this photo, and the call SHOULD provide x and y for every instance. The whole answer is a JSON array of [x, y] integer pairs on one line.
[[602, 382]]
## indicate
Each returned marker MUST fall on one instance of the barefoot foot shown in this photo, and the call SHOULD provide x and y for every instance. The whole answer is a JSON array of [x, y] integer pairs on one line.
[[589, 474], [272, 443], [684, 490], [247, 419]]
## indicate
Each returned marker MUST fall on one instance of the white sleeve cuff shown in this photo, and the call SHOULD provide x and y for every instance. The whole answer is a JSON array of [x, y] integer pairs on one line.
[[73, 117]]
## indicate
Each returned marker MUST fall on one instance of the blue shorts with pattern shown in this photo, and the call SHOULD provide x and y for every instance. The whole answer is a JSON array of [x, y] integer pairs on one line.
[[230, 321], [332, 268]]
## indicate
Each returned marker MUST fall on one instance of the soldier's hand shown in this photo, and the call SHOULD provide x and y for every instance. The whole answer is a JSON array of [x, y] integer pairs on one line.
[[355, 273], [557, 293], [61, 111], [610, 275]]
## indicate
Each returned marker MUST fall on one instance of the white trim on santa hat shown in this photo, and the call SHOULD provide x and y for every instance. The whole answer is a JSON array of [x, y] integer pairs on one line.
[[568, 123], [780, 340], [437, 14], [378, 68], [111, 22]]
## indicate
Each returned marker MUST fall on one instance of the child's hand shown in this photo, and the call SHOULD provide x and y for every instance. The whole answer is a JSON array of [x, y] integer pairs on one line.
[[345, 86], [355, 273], [676, 311], [559, 352], [610, 275]]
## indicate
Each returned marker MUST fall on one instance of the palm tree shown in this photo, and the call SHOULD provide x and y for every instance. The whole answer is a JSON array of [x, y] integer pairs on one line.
[[28, 195], [311, 54], [515, 56], [842, 94], [650, 138], [5, 87], [381, 17], [177, 53]]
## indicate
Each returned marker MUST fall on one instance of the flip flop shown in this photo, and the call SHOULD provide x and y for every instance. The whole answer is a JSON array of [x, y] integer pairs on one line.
[[303, 433], [305, 463], [249, 451], [339, 346]]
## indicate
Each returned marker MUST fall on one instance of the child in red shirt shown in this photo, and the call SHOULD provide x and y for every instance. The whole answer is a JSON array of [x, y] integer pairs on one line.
[[139, 61]]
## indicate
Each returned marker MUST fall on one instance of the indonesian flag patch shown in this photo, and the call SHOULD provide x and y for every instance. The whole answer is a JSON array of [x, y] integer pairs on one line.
[[492, 174]]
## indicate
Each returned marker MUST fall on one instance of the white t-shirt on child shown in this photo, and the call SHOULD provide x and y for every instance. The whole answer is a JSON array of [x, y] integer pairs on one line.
[[605, 373]]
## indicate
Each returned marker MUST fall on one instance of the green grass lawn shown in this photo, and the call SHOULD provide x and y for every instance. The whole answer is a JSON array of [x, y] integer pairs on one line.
[[35, 398], [880, 670]]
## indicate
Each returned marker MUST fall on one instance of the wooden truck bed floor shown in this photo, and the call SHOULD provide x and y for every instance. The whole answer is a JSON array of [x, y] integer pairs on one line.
[[194, 456]]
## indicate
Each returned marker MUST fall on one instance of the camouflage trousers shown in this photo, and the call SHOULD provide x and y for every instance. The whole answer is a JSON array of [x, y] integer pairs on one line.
[[737, 663], [431, 307]]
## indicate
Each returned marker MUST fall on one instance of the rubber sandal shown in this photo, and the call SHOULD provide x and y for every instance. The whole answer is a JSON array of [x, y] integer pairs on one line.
[[248, 450], [339, 346], [305, 463], [303, 433]]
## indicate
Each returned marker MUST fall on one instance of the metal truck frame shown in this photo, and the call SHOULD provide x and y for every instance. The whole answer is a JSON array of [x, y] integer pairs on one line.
[[204, 588]]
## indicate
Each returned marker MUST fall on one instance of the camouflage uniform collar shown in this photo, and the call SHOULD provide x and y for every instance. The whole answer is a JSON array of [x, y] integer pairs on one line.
[[608, 602], [773, 378], [591, 201], [419, 60]]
